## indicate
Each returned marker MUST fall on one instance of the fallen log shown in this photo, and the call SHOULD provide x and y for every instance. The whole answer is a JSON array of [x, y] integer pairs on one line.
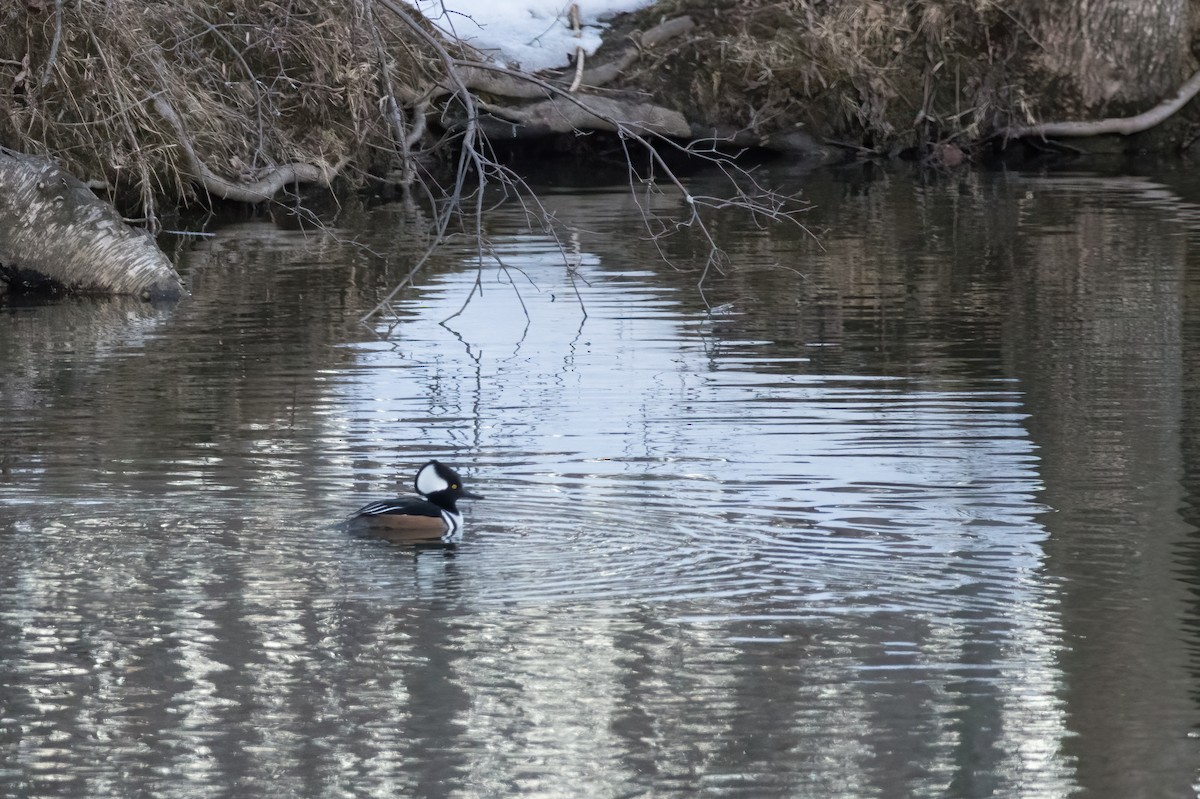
[[57, 235], [560, 109], [1124, 126], [590, 112]]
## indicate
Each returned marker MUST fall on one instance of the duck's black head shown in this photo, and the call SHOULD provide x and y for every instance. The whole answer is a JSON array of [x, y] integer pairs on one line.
[[441, 485]]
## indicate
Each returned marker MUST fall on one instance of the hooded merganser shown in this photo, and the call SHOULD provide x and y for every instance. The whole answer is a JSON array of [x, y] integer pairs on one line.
[[432, 515]]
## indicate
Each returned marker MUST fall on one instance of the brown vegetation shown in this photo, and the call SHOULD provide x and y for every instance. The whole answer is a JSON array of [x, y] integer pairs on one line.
[[870, 75], [135, 94], [883, 77], [179, 100], [239, 97]]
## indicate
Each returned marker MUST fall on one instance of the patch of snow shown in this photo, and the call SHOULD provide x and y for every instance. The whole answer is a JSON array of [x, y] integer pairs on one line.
[[530, 34]]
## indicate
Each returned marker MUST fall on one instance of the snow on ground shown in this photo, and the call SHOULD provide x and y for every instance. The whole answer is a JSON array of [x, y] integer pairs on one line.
[[532, 34]]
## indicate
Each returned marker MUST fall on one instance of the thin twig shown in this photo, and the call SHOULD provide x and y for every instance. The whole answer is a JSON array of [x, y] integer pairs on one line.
[[577, 26], [52, 58], [471, 158], [395, 113]]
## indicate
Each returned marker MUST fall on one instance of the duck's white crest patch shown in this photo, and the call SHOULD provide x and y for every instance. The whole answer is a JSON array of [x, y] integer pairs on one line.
[[429, 481]]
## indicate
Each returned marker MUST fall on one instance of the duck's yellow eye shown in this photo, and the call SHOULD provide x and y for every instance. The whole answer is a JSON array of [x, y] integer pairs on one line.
[[454, 485]]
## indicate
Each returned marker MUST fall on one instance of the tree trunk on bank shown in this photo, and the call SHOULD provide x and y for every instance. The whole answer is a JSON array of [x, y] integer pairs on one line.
[[57, 236], [1112, 56]]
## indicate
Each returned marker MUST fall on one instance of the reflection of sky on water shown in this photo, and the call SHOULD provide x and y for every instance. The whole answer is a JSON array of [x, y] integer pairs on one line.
[[837, 581], [764, 499], [642, 404], [830, 584]]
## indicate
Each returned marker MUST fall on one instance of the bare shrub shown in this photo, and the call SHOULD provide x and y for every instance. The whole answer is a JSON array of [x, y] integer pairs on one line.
[[190, 100], [876, 74]]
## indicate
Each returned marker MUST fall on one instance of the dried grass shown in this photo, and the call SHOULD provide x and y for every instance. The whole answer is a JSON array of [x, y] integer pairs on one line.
[[259, 84], [155, 97], [874, 72], [256, 85]]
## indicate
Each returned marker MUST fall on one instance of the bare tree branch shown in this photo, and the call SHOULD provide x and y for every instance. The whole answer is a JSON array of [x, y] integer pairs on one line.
[[256, 191], [561, 110], [1121, 125]]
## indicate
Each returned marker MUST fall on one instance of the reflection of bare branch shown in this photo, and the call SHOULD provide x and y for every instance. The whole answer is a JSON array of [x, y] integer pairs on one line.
[[763, 203], [469, 146], [560, 109], [469, 156]]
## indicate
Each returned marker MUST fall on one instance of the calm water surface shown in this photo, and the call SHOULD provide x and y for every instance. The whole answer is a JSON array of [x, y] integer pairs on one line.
[[902, 510]]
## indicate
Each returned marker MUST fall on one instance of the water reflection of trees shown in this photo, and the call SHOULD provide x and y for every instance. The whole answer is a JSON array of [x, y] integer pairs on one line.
[[983, 279], [1079, 289]]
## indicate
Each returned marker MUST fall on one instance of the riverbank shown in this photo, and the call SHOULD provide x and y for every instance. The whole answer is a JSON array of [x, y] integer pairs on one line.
[[182, 102]]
